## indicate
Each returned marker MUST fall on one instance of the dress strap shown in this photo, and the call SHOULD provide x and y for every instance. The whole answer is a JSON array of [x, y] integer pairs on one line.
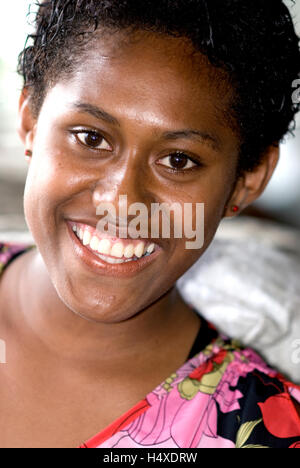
[[206, 334]]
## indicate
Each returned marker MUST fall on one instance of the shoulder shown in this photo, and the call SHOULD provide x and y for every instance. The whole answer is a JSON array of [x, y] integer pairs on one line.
[[254, 403], [239, 399], [224, 397], [9, 251]]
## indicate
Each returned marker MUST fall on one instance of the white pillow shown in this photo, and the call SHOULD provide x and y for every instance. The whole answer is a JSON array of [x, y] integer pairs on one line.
[[248, 285]]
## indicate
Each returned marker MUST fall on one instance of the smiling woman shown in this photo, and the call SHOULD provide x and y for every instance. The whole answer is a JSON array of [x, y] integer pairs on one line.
[[157, 101]]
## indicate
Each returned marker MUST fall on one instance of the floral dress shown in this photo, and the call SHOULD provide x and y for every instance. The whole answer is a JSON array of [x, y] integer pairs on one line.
[[223, 396]]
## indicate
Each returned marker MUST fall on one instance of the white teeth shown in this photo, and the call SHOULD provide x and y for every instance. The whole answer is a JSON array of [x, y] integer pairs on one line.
[[129, 251], [112, 260], [104, 246], [150, 248], [94, 243], [117, 250], [139, 250], [87, 237]]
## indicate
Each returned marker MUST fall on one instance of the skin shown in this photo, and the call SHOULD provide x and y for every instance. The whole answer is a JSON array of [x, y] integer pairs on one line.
[[67, 328]]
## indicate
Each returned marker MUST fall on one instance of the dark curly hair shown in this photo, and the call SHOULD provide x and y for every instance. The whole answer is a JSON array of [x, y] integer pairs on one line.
[[254, 42]]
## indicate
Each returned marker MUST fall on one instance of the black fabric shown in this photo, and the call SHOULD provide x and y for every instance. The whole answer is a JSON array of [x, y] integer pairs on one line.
[[204, 337]]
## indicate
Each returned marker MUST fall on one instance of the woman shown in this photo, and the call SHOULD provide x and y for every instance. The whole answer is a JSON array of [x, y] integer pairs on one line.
[[162, 102]]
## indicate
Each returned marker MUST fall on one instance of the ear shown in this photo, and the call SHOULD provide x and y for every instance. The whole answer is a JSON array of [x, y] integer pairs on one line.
[[252, 184], [26, 121]]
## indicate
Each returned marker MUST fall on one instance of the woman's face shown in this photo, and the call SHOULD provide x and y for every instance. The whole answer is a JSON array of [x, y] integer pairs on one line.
[[108, 130]]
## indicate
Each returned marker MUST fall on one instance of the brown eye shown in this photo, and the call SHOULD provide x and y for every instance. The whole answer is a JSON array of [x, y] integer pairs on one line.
[[93, 140], [178, 161]]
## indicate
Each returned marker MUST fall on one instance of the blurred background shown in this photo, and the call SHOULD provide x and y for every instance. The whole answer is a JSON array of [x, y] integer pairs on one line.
[[280, 201]]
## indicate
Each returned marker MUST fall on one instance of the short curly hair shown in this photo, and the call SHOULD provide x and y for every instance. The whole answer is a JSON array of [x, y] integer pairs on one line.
[[254, 42]]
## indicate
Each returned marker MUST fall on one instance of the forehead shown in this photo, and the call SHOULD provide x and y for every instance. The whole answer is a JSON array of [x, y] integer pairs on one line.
[[150, 77], [153, 64]]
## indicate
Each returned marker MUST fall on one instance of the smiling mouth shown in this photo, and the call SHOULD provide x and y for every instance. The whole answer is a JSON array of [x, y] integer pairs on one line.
[[112, 250]]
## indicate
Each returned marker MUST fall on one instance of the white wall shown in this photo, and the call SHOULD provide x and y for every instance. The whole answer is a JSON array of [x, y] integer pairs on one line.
[[295, 10], [13, 32]]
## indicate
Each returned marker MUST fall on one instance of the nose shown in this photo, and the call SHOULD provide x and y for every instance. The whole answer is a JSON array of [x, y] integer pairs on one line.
[[126, 184]]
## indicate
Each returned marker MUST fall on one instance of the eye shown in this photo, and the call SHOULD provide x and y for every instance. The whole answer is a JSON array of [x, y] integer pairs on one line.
[[179, 161], [92, 139]]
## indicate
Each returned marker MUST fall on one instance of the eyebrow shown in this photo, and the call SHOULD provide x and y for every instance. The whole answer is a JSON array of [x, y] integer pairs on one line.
[[205, 137], [96, 112], [100, 114]]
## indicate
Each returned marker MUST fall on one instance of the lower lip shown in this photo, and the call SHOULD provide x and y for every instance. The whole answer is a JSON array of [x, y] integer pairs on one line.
[[118, 270]]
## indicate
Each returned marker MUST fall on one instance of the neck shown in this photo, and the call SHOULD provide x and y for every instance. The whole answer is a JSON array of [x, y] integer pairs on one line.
[[45, 321]]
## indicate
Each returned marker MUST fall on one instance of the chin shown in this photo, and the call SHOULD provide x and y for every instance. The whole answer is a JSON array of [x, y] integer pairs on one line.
[[96, 306]]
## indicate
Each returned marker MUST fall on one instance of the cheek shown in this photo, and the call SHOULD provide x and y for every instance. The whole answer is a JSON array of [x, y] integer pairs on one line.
[[52, 180], [211, 194], [215, 191], [45, 191], [40, 190]]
